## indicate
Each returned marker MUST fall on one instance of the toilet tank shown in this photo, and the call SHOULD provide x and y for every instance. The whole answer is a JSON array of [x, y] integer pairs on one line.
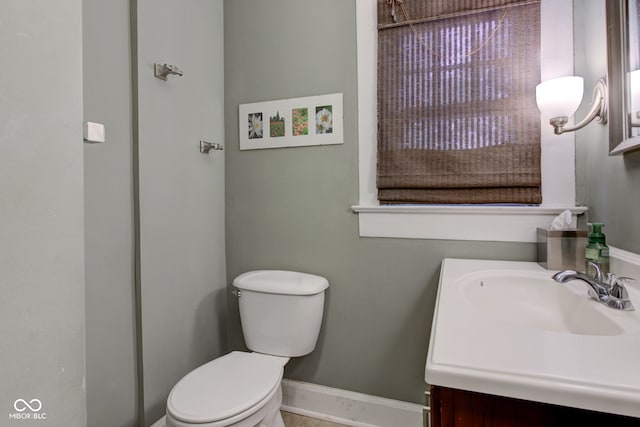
[[281, 311]]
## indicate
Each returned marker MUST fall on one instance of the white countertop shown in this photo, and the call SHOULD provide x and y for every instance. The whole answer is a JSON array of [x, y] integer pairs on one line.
[[476, 350]]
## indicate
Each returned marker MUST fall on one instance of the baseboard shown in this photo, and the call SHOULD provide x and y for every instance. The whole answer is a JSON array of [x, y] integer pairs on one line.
[[347, 407]]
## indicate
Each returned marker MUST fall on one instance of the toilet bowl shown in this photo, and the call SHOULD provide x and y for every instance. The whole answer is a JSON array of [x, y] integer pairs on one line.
[[281, 313], [267, 416], [236, 389]]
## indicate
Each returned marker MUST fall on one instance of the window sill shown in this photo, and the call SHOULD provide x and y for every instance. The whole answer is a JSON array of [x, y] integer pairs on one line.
[[479, 223]]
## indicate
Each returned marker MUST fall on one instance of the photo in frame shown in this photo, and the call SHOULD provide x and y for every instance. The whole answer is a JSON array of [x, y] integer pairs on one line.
[[294, 122]]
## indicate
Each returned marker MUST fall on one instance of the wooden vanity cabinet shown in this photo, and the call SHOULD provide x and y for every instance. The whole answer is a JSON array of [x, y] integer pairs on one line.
[[460, 408]]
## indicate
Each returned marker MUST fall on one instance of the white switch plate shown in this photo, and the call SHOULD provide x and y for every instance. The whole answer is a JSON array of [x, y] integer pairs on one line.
[[93, 132]]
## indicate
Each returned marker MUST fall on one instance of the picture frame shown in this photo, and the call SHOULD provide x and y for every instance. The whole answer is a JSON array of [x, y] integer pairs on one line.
[[293, 122]]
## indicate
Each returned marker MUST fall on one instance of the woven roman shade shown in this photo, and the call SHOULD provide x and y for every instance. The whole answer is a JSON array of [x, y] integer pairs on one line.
[[457, 119]]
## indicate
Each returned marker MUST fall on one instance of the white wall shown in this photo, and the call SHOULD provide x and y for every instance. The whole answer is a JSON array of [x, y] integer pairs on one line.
[[41, 211]]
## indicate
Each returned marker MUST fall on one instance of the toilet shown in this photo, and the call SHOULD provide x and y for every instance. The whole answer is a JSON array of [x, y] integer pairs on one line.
[[281, 313]]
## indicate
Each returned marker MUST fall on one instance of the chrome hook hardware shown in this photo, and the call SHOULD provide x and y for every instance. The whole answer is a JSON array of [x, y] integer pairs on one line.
[[205, 146], [161, 71]]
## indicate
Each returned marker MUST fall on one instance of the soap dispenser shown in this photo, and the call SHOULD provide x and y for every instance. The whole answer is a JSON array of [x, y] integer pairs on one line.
[[597, 251]]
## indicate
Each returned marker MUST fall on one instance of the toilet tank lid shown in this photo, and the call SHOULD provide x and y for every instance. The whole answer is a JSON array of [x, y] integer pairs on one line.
[[281, 282]]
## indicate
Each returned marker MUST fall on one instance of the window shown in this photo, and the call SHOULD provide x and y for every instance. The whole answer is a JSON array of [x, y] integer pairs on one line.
[[457, 119], [467, 222]]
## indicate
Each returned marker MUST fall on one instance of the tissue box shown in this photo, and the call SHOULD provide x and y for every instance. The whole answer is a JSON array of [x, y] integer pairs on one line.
[[561, 249]]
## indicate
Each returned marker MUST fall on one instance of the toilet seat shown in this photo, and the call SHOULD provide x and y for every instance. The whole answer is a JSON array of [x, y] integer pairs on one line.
[[230, 387]]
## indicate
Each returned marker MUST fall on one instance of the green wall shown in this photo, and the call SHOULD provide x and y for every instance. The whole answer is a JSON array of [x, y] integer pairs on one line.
[[108, 213], [181, 193], [42, 309], [289, 208], [610, 186], [182, 319]]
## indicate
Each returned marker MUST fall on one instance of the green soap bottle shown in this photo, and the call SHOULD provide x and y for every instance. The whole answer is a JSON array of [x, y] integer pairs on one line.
[[597, 250]]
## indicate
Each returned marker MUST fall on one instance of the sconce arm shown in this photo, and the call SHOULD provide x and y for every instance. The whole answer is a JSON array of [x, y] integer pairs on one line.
[[599, 111]]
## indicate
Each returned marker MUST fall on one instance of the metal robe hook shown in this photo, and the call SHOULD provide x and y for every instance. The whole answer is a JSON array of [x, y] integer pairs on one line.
[[205, 146], [161, 71]]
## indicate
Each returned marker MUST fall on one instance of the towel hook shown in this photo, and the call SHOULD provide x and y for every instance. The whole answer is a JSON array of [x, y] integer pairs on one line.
[[161, 71], [205, 146]]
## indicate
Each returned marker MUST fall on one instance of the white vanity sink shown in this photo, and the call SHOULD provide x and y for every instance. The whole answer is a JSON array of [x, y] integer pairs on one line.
[[532, 299], [507, 328]]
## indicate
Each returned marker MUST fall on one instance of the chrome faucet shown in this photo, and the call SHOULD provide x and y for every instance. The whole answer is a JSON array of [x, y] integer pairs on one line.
[[611, 292]]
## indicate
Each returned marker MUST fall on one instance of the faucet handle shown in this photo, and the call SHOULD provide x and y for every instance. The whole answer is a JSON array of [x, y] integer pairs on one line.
[[617, 288], [597, 272]]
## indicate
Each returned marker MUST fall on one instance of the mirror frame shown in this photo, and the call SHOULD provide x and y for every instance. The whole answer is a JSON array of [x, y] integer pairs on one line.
[[620, 139]]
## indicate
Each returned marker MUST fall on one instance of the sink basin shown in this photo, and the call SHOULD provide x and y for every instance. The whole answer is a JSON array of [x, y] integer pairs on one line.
[[535, 300], [507, 328]]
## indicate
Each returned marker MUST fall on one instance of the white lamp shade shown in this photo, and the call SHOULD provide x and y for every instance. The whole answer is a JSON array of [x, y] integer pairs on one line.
[[560, 97]]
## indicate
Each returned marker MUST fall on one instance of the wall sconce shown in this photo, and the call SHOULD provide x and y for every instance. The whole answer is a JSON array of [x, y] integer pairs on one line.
[[560, 98]]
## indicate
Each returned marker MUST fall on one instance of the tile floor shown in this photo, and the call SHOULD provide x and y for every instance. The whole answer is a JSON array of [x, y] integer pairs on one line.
[[294, 420]]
